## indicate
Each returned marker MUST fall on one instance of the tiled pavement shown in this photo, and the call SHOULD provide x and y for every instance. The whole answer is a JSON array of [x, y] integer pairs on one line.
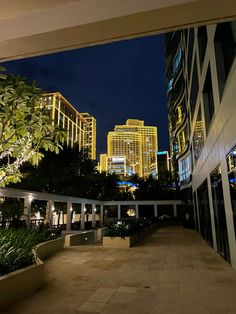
[[171, 271]]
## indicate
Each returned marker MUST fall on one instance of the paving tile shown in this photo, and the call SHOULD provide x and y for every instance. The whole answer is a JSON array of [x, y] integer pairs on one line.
[[93, 307], [171, 271]]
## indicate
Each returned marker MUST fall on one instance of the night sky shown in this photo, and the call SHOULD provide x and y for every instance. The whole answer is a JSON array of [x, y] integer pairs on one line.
[[112, 82]]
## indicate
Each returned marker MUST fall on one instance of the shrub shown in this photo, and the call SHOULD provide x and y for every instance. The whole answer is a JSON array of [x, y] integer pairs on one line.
[[16, 247]]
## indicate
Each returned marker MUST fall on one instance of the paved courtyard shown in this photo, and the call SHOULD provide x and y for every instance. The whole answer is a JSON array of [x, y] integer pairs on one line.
[[171, 271]]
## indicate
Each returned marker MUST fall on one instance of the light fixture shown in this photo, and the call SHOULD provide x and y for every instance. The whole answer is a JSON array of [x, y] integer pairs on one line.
[[30, 198]]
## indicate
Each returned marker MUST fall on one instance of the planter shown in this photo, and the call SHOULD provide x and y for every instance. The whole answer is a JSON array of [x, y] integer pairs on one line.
[[23, 282], [118, 242]]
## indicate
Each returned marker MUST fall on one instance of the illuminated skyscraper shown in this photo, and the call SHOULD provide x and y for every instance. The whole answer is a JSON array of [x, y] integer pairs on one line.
[[81, 128], [138, 143], [103, 162], [90, 135]]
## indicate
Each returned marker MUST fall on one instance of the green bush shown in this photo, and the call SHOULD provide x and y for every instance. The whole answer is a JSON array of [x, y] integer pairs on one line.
[[16, 247]]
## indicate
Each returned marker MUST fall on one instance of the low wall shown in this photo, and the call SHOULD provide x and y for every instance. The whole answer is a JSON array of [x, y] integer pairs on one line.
[[46, 249], [126, 242], [120, 243], [100, 233], [23, 282], [82, 237]]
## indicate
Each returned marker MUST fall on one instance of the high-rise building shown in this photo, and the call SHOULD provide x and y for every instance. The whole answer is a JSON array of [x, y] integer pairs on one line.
[[103, 162], [90, 135], [201, 71], [135, 141], [119, 165], [81, 128]]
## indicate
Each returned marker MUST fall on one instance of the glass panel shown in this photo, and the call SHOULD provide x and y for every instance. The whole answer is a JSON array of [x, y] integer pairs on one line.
[[219, 214], [204, 213], [231, 162]]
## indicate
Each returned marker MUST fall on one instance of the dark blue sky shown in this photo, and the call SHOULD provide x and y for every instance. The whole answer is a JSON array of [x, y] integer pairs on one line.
[[112, 82]]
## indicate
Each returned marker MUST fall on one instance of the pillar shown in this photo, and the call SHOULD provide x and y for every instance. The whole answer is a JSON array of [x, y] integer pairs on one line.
[[68, 215], [155, 211], [93, 215], [82, 216], [27, 210], [175, 210], [51, 209], [118, 212], [101, 215], [136, 211]]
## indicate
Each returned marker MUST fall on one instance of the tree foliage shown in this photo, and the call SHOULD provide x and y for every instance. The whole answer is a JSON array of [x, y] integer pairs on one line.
[[70, 172], [25, 127]]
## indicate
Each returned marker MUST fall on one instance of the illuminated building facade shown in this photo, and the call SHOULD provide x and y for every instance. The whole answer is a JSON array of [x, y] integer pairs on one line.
[[119, 165], [81, 128], [103, 162], [137, 142], [201, 71], [90, 135]]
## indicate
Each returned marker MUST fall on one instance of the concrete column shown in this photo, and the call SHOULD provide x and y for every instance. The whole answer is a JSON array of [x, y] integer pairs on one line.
[[136, 211], [27, 210], [68, 216], [51, 209], [48, 215], [175, 210], [118, 212], [101, 215], [82, 216], [93, 215], [155, 211]]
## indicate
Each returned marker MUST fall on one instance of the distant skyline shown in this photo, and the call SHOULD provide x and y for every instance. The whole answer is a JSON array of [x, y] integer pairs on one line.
[[113, 82]]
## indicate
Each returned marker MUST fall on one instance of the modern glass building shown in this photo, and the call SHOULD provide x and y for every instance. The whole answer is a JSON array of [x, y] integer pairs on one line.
[[81, 128], [201, 71]]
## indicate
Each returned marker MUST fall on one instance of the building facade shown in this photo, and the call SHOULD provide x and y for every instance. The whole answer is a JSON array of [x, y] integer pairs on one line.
[[137, 142], [80, 128], [119, 165], [201, 71], [162, 163], [90, 135]]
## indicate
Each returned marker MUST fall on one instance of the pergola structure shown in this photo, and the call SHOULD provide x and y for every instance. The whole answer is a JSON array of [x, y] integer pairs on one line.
[[29, 196], [36, 27]]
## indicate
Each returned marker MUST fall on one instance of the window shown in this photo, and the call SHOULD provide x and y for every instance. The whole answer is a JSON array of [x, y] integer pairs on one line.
[[225, 49], [198, 136], [231, 162], [208, 100], [219, 214], [194, 88], [185, 169], [202, 43], [177, 61], [190, 51], [204, 212]]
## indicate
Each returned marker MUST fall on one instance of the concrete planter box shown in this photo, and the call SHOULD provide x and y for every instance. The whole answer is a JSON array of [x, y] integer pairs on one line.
[[118, 242], [126, 242], [79, 238], [23, 282]]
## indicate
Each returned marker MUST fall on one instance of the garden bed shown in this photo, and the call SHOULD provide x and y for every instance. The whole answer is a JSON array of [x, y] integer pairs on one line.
[[20, 279], [126, 233]]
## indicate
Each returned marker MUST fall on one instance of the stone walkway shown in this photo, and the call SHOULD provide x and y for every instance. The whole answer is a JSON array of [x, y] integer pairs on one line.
[[171, 271]]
